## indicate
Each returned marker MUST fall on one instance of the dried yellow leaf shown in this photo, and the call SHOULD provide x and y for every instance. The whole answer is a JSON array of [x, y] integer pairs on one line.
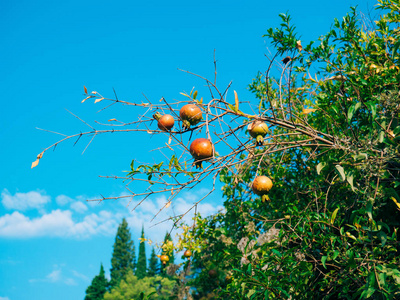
[[306, 111], [168, 204], [236, 100], [395, 201], [112, 120], [299, 46], [84, 87], [98, 100], [35, 163], [86, 98]]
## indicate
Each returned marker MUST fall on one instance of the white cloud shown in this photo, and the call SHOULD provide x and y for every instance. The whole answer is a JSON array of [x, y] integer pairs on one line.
[[62, 200], [82, 220], [24, 201], [58, 223], [157, 228], [70, 281], [81, 276], [79, 207], [55, 276], [4, 298]]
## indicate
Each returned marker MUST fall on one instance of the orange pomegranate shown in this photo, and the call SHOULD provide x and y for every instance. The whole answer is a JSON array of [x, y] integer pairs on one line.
[[164, 259], [201, 149], [190, 115], [261, 186], [165, 122]]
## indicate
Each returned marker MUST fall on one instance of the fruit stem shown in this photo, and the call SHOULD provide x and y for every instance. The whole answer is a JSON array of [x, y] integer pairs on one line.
[[198, 164], [259, 140], [265, 198], [157, 116], [185, 124]]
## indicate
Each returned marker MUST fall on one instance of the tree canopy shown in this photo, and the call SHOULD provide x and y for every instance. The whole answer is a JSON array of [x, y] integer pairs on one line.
[[123, 256], [141, 267], [131, 287], [310, 168], [98, 287]]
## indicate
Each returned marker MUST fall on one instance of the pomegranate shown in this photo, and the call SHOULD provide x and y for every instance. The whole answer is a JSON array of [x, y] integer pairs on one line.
[[165, 122], [187, 253], [190, 115], [164, 259], [258, 130], [261, 186], [201, 149]]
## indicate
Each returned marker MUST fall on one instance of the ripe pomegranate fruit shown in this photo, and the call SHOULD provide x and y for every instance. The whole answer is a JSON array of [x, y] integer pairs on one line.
[[190, 115], [187, 253], [258, 130], [164, 259], [165, 122], [261, 186], [201, 149]]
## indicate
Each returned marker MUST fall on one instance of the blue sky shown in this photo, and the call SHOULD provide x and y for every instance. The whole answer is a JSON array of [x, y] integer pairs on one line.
[[51, 240]]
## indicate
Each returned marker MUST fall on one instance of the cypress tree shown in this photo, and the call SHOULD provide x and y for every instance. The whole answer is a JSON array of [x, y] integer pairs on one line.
[[153, 264], [98, 288], [123, 257], [141, 268]]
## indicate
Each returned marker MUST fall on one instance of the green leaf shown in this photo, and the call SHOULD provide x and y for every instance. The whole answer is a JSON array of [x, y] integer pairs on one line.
[[352, 110], [350, 180], [277, 252], [250, 293], [360, 156], [334, 215], [395, 48], [372, 108], [323, 260], [381, 136], [320, 166], [383, 237], [232, 108], [340, 169], [368, 209], [132, 168]]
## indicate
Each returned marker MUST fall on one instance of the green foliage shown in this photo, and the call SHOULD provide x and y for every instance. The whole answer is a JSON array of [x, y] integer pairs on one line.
[[98, 288], [123, 256], [153, 264], [141, 267], [131, 287], [330, 230]]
